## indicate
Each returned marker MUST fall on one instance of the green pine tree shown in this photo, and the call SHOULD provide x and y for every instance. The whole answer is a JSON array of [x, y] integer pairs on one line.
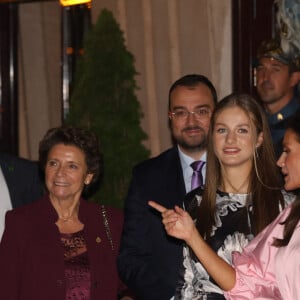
[[104, 101]]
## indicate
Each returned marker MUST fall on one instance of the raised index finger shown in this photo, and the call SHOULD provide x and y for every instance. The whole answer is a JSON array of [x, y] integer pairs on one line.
[[157, 206]]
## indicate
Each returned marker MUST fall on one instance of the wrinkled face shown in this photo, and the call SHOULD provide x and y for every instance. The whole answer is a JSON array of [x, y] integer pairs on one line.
[[234, 138], [289, 161], [66, 172], [191, 132], [273, 80]]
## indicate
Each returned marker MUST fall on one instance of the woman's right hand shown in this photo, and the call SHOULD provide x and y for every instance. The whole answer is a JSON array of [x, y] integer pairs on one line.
[[178, 223]]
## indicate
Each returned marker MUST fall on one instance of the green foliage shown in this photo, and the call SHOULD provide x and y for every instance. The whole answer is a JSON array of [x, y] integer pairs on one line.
[[103, 100]]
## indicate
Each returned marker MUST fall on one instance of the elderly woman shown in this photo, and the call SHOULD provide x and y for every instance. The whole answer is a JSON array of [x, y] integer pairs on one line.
[[62, 247]]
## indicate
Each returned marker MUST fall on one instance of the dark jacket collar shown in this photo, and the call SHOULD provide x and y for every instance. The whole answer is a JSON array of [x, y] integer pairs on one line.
[[285, 112]]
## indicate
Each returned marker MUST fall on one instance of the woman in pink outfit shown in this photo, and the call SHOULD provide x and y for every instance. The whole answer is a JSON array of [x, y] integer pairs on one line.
[[269, 267]]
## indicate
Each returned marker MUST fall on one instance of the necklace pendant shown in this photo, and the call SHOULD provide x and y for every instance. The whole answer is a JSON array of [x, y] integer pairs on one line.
[[65, 219]]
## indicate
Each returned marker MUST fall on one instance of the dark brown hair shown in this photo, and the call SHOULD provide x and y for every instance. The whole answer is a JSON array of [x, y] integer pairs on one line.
[[265, 181], [289, 224], [294, 216], [193, 80], [83, 139]]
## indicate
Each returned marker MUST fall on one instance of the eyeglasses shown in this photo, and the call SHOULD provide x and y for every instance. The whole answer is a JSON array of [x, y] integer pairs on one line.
[[182, 114]]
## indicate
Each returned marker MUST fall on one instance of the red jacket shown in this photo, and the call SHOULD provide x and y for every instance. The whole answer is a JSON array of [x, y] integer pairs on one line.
[[32, 260]]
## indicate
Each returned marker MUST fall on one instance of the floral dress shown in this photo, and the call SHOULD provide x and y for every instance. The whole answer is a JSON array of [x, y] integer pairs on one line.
[[232, 232]]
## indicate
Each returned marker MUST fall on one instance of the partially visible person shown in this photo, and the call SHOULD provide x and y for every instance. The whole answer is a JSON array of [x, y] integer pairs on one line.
[[277, 76], [19, 184], [241, 197], [269, 267], [149, 260], [62, 247]]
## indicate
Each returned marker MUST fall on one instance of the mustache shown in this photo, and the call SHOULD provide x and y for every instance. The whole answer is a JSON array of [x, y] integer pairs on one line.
[[267, 84], [192, 128]]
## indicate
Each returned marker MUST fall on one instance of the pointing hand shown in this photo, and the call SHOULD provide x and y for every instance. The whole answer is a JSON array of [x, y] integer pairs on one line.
[[177, 222]]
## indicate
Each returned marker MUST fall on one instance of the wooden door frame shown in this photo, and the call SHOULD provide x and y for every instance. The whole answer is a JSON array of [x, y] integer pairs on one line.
[[252, 22]]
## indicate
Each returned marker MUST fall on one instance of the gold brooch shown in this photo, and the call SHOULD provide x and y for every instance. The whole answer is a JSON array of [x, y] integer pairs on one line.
[[279, 117]]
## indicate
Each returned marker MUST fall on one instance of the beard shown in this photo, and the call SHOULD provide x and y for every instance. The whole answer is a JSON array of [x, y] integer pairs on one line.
[[192, 144]]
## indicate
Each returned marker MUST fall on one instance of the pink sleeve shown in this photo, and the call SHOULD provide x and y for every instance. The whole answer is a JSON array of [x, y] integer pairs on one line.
[[287, 268], [255, 266]]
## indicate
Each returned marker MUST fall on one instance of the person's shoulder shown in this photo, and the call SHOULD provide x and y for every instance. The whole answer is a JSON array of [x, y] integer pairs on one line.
[[109, 215], [165, 157], [12, 160], [115, 215], [104, 209], [27, 211]]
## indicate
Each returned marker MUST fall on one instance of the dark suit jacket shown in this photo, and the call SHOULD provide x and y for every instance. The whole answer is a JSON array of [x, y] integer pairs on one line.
[[149, 260], [22, 179], [32, 260]]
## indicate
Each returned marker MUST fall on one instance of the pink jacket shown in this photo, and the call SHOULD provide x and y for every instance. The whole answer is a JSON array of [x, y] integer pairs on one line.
[[267, 272]]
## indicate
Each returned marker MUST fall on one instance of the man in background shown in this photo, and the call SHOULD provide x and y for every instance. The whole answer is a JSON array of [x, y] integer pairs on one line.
[[149, 260], [19, 184], [277, 76]]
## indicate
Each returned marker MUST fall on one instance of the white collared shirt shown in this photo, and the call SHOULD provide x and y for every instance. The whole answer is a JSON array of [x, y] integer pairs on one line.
[[5, 203]]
